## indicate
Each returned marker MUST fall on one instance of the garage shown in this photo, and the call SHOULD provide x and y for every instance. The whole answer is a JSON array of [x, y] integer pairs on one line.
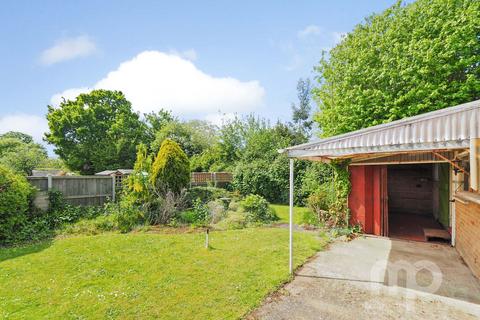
[[416, 178], [418, 202]]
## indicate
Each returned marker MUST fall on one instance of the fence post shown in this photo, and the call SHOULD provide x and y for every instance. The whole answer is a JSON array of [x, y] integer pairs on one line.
[[113, 187], [49, 182], [215, 179]]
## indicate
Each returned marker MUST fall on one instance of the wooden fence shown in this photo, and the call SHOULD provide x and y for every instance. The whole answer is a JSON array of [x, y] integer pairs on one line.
[[77, 190], [96, 190], [217, 179]]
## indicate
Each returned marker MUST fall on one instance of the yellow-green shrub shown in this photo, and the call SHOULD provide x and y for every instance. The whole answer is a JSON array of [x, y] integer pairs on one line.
[[171, 168]]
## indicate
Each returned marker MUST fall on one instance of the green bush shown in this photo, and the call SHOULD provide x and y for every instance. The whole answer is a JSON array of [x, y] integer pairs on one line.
[[171, 168], [126, 214], [324, 204], [103, 223], [15, 193], [234, 220], [258, 209], [270, 179], [216, 210], [205, 194], [320, 200], [310, 218], [200, 212], [60, 212]]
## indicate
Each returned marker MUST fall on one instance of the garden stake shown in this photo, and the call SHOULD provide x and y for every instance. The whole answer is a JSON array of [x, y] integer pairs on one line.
[[206, 238]]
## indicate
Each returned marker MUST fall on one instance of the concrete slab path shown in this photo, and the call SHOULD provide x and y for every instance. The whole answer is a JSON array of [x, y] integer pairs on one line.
[[378, 278]]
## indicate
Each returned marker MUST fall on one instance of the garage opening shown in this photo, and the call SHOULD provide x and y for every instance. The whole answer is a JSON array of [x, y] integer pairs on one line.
[[418, 202]]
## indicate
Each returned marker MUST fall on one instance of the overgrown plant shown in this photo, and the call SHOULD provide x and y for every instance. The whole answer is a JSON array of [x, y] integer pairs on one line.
[[258, 209], [329, 201], [15, 192]]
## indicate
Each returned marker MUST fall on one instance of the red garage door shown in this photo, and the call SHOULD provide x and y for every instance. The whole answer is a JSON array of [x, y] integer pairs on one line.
[[368, 200]]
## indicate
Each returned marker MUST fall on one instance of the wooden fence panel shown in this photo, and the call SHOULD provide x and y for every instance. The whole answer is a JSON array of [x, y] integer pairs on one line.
[[77, 190]]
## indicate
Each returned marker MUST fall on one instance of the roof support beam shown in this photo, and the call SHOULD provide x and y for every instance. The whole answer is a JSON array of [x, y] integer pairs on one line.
[[450, 161]]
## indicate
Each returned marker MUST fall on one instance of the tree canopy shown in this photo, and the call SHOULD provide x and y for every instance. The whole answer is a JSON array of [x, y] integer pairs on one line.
[[407, 60], [20, 153], [96, 131]]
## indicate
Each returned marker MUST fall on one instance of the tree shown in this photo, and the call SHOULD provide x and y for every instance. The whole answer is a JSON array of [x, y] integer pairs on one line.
[[96, 131], [18, 135], [138, 182], [156, 121], [194, 136], [404, 61], [171, 168], [19, 153], [301, 113]]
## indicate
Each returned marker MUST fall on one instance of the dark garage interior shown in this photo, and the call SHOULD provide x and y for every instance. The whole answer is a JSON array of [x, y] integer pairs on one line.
[[418, 202]]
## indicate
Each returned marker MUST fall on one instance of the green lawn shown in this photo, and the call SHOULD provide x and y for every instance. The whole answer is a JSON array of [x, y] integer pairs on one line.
[[283, 213], [142, 275]]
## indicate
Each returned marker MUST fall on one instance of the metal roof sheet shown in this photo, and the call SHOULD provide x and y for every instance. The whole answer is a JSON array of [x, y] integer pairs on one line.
[[449, 128]]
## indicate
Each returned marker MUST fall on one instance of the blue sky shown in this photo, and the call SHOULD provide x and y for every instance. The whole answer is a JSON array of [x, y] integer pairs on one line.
[[198, 58]]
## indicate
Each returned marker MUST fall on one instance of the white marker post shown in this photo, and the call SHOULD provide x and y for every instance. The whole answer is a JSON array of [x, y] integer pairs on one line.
[[206, 238], [291, 218]]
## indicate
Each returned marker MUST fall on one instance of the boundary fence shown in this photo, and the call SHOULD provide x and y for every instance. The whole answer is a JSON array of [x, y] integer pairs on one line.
[[77, 190]]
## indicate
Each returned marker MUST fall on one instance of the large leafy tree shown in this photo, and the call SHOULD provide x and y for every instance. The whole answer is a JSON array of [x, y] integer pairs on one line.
[[20, 153], [193, 136], [404, 61], [96, 131]]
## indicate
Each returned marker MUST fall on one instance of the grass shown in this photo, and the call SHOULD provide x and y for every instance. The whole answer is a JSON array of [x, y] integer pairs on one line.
[[148, 275], [283, 213]]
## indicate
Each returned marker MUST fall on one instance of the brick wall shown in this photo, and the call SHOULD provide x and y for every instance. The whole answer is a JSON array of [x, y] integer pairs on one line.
[[467, 229]]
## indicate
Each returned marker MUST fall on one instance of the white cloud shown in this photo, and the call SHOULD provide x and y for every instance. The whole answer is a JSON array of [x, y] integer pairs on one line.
[[311, 30], [153, 80], [189, 54], [33, 125], [67, 49]]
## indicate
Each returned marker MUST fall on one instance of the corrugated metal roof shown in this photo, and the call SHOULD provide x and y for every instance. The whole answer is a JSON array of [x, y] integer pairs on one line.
[[445, 129]]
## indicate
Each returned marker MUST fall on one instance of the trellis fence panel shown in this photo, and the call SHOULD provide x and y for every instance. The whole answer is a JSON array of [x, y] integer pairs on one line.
[[217, 179]]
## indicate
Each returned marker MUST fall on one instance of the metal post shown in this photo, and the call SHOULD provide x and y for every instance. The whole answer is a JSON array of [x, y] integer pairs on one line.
[[291, 219]]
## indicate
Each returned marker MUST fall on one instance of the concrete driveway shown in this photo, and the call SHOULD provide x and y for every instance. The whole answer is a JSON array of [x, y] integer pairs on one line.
[[378, 278]]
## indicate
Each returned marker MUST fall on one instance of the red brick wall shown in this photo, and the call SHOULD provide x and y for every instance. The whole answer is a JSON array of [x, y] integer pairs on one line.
[[467, 235]]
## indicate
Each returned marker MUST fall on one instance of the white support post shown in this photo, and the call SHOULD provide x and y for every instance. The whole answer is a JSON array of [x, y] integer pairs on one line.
[[474, 163], [291, 219]]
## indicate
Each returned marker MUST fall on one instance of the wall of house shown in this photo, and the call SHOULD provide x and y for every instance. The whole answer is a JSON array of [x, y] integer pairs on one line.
[[467, 229]]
